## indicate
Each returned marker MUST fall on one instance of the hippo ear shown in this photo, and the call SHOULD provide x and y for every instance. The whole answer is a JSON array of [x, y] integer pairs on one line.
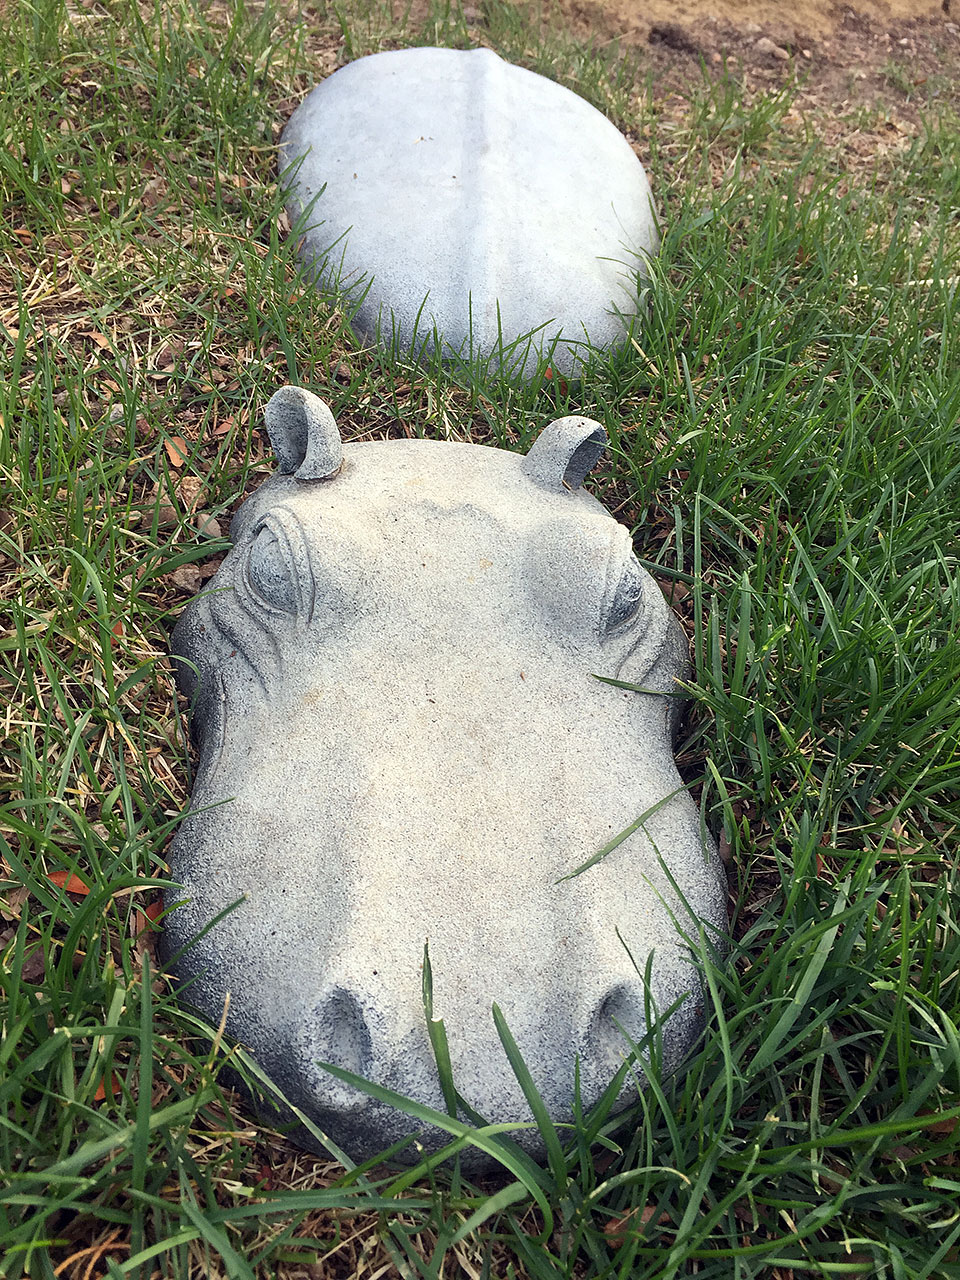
[[304, 434], [564, 452]]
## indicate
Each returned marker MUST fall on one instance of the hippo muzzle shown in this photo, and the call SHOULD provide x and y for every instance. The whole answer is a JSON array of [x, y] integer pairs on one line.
[[403, 741]]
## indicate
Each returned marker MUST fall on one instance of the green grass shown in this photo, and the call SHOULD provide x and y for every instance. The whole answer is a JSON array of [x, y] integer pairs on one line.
[[787, 451]]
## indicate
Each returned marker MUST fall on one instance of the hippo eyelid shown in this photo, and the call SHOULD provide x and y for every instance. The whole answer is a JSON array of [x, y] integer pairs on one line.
[[285, 588], [623, 600]]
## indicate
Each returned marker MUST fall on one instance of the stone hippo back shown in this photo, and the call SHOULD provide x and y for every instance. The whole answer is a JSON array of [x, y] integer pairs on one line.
[[402, 738]]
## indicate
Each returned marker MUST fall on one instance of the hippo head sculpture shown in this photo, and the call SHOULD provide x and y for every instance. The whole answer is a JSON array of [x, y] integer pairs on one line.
[[402, 739]]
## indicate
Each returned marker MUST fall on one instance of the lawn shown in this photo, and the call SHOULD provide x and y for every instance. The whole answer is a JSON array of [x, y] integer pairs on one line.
[[786, 452]]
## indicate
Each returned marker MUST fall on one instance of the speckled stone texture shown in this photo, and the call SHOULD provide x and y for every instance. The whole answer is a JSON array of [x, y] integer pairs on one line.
[[402, 738], [470, 197]]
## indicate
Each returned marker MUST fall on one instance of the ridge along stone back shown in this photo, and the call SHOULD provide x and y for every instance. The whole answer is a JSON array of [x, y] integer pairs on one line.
[[451, 193], [402, 736]]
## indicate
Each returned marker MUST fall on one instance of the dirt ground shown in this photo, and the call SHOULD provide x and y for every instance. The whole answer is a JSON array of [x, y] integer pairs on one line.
[[905, 53]]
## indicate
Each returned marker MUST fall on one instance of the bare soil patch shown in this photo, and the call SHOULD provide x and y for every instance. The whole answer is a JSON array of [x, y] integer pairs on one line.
[[898, 54], [800, 20]]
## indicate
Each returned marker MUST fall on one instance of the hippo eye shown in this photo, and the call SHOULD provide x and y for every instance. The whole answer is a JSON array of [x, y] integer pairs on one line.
[[627, 598], [269, 573]]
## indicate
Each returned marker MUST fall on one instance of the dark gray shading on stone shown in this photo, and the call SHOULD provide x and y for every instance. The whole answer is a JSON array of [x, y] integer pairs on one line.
[[402, 738], [455, 193]]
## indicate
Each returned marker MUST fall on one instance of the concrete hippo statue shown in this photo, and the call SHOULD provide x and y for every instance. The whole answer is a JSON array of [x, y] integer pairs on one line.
[[402, 738]]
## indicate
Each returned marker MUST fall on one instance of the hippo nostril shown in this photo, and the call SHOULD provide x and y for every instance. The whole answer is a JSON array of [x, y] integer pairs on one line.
[[617, 1024], [621, 1017], [341, 1036], [661, 1023], [344, 1028]]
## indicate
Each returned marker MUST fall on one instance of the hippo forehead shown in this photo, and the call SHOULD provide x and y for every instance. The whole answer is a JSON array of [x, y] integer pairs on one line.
[[418, 481], [461, 521]]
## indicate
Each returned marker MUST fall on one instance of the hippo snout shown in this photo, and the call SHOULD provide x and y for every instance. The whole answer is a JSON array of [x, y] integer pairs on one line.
[[351, 1032]]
